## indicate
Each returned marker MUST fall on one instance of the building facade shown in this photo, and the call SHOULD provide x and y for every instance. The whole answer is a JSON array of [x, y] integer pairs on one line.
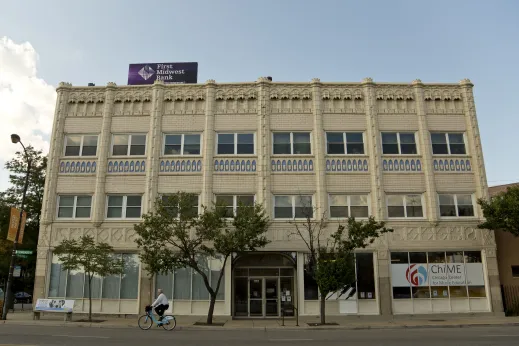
[[409, 154]]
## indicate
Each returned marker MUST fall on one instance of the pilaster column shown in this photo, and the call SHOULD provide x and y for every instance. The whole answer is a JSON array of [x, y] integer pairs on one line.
[[207, 169], [494, 285], [474, 141], [373, 145], [49, 192], [102, 155], [154, 146], [263, 146], [55, 153], [319, 147], [424, 138], [385, 291]]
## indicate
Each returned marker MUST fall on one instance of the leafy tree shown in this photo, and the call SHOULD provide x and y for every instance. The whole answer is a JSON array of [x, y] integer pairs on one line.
[[33, 203], [91, 257], [502, 211], [174, 236], [331, 263]]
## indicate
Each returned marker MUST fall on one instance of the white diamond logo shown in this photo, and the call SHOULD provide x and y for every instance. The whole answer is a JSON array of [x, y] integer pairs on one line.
[[146, 72]]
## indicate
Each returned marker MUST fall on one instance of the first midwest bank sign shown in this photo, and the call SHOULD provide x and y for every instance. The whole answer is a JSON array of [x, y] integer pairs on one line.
[[170, 73]]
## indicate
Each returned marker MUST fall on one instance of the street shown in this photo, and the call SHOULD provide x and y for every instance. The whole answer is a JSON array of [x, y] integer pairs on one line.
[[46, 335]]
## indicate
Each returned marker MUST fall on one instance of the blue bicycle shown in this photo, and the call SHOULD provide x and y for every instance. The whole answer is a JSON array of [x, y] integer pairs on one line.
[[145, 322]]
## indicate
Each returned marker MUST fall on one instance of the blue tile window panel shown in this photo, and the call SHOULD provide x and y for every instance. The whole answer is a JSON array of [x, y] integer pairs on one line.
[[181, 166], [235, 165], [137, 166], [78, 167], [292, 165], [402, 165], [347, 165]]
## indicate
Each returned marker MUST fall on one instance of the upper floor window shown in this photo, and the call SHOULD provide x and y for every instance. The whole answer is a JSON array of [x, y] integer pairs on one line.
[[124, 207], [235, 143], [448, 143], [171, 203], [404, 206], [456, 205], [182, 144], [81, 145], [293, 207], [291, 143], [398, 143], [344, 206], [345, 143], [124, 145], [74, 207], [232, 204]]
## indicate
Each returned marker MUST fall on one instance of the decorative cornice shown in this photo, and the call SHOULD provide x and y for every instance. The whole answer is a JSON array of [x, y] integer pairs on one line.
[[264, 80], [111, 85], [367, 80], [316, 80], [210, 82], [417, 82], [466, 82]]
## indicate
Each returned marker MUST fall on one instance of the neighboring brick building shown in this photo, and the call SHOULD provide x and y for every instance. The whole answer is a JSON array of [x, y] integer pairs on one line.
[[507, 248], [407, 153]]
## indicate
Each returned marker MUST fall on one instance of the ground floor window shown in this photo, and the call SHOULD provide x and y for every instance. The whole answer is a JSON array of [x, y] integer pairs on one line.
[[187, 284], [362, 288], [72, 283], [437, 275]]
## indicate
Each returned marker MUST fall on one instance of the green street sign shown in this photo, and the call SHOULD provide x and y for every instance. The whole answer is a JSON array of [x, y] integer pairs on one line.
[[24, 252], [22, 256]]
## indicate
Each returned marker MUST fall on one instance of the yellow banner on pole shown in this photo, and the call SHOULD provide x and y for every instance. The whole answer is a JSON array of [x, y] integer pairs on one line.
[[13, 225]]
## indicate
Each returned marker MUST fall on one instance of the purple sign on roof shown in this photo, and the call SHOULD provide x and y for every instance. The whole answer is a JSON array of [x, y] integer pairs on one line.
[[170, 73]]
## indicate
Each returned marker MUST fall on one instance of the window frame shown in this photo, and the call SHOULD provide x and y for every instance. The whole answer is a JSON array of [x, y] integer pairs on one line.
[[446, 134], [178, 214], [129, 144], [349, 206], [234, 200], [74, 207], [399, 143], [292, 143], [293, 205], [345, 143], [472, 199], [80, 145], [124, 206], [512, 267], [235, 143], [405, 217], [164, 135]]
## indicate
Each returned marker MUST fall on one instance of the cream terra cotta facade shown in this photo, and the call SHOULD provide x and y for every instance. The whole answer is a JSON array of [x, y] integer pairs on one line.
[[264, 107]]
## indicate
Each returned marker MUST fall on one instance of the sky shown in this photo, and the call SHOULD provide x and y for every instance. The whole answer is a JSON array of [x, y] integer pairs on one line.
[[45, 42]]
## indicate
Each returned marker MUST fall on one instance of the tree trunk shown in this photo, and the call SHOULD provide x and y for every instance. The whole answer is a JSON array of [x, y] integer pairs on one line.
[[323, 309], [211, 309], [89, 298]]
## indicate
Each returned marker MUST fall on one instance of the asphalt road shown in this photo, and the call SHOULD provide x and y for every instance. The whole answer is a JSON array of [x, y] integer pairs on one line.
[[43, 335]]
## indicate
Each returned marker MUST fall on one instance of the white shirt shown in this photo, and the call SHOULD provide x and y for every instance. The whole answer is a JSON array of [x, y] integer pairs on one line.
[[161, 300]]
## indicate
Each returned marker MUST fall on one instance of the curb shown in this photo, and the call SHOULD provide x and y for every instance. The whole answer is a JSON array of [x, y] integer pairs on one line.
[[278, 328]]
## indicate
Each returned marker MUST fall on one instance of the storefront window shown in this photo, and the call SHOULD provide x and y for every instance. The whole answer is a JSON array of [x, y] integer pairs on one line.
[[73, 284], [437, 275], [365, 276], [186, 284], [310, 285]]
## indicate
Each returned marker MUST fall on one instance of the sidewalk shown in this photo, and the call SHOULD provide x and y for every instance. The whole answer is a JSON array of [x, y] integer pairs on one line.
[[343, 322]]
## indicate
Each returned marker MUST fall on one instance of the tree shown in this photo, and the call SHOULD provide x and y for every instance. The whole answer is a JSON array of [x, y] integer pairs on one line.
[[174, 236], [33, 203], [91, 257], [502, 211], [331, 263]]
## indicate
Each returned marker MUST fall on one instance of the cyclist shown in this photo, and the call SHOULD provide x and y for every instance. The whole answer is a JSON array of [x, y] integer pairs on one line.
[[161, 304]]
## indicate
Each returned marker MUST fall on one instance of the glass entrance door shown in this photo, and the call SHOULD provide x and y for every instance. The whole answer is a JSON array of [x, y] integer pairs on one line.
[[256, 297]]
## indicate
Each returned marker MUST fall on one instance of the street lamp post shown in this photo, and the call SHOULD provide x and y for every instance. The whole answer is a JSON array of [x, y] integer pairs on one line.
[[16, 139]]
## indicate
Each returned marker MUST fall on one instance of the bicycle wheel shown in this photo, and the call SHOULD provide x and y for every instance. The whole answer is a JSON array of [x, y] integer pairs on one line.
[[145, 322], [169, 322]]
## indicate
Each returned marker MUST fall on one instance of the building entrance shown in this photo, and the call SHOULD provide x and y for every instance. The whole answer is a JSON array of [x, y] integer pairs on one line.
[[261, 292]]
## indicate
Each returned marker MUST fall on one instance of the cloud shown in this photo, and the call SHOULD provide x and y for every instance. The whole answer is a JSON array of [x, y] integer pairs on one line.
[[26, 101]]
